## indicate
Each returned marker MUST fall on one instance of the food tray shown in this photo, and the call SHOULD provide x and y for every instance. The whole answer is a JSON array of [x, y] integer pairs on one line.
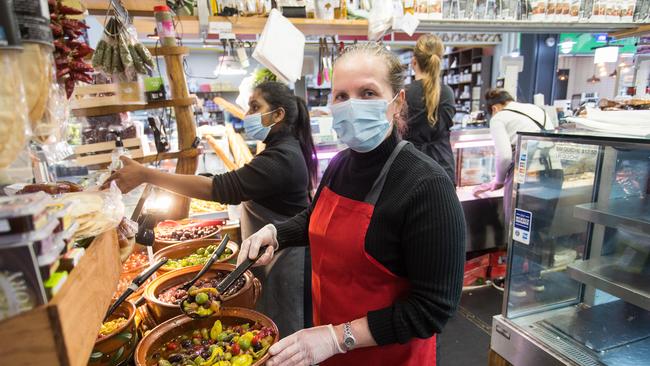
[[23, 213], [63, 332], [604, 327]]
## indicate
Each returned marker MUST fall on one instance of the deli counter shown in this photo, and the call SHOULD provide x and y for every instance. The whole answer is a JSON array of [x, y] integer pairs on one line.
[[578, 285]]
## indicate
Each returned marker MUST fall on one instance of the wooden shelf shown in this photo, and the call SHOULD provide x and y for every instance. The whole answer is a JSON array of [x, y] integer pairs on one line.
[[642, 30], [63, 332], [142, 11], [191, 153], [169, 51], [111, 109]]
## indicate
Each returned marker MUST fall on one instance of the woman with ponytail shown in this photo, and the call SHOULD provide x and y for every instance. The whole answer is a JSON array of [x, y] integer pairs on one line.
[[430, 105], [273, 187]]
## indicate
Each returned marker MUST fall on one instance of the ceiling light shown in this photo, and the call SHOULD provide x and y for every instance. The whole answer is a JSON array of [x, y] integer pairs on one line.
[[593, 79]]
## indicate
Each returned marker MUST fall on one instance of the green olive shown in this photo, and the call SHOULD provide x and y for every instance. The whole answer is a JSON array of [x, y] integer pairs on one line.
[[201, 298]]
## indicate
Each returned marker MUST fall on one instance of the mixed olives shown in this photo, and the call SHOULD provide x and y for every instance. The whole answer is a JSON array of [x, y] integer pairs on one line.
[[187, 233], [176, 294], [240, 345], [199, 257]]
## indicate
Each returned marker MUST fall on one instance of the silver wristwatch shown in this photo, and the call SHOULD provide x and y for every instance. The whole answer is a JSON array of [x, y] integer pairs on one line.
[[348, 338]]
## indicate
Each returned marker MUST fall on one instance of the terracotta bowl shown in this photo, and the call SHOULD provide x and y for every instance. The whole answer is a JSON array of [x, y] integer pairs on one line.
[[184, 249], [172, 328], [119, 346], [246, 297], [161, 244]]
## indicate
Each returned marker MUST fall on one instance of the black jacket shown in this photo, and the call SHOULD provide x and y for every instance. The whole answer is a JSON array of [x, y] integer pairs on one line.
[[433, 141]]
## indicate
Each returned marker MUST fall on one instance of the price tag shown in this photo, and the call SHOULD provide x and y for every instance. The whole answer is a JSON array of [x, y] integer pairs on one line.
[[410, 23], [227, 35], [4, 226], [523, 222], [219, 27]]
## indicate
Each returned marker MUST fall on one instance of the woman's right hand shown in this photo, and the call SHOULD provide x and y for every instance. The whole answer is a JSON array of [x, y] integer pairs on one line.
[[486, 187], [265, 237], [129, 177]]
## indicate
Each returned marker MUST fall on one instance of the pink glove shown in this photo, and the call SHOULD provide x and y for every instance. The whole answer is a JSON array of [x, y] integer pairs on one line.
[[306, 347]]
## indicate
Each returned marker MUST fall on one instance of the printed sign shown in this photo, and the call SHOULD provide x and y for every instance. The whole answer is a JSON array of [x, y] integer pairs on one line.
[[522, 223], [523, 161]]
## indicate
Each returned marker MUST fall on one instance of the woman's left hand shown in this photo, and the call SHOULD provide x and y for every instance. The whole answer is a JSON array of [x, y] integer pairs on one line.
[[306, 347]]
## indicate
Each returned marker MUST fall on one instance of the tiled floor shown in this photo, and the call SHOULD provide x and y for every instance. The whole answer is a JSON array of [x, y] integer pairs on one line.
[[465, 341]]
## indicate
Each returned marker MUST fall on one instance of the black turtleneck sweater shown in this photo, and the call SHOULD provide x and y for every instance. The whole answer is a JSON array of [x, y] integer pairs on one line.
[[417, 231], [277, 178]]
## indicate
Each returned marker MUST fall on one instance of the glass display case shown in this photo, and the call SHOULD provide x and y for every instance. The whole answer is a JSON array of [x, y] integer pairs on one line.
[[578, 282], [474, 153]]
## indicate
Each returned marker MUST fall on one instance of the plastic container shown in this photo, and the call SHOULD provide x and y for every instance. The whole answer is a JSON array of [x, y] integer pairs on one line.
[[42, 239], [165, 25], [23, 214]]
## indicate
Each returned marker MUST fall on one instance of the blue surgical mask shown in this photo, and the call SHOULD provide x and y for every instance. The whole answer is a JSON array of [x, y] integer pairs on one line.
[[254, 128], [361, 123]]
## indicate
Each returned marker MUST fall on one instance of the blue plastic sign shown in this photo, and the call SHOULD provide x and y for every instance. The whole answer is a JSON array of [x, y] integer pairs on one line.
[[522, 224]]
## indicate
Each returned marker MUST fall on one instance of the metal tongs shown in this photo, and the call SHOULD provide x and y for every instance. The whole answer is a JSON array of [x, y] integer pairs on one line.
[[135, 284], [215, 256]]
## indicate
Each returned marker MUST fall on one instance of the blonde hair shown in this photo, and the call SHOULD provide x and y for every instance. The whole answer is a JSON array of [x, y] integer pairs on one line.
[[428, 54], [395, 76]]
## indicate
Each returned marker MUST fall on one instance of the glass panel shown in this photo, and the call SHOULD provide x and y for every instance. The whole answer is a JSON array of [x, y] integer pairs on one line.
[[553, 178], [477, 165]]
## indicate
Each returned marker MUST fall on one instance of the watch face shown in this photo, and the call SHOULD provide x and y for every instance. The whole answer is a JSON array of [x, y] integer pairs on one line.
[[349, 342]]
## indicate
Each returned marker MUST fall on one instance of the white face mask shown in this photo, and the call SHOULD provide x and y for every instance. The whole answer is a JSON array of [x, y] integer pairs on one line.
[[361, 123], [254, 128]]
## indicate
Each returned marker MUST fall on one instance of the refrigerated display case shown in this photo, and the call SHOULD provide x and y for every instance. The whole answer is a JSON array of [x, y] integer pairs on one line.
[[578, 282]]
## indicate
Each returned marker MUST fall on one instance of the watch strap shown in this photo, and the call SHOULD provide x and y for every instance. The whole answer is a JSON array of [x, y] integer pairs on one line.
[[348, 338]]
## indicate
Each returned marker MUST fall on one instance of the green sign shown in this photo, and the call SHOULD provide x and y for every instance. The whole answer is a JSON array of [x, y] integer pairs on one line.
[[583, 43], [153, 84]]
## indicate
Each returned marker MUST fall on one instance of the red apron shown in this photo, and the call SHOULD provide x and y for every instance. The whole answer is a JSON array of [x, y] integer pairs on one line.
[[347, 282]]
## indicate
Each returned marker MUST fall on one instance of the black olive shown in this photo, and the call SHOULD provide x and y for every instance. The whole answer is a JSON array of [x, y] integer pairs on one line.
[[206, 354], [205, 342], [175, 357], [186, 343]]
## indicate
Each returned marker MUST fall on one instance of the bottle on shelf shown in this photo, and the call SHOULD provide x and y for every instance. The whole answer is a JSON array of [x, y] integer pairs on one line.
[[409, 6], [116, 163]]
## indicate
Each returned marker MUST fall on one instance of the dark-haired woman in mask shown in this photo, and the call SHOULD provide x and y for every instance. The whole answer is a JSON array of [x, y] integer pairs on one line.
[[273, 187]]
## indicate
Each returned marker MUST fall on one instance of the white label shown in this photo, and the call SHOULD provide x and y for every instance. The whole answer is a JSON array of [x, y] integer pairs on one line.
[[4, 226], [410, 23], [45, 9], [522, 223], [227, 35], [219, 27]]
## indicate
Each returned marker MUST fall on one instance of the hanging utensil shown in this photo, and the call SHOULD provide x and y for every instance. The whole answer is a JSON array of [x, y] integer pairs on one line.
[[135, 284], [320, 62]]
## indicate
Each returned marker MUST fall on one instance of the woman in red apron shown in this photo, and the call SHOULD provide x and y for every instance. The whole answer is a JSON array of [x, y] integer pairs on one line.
[[386, 232]]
